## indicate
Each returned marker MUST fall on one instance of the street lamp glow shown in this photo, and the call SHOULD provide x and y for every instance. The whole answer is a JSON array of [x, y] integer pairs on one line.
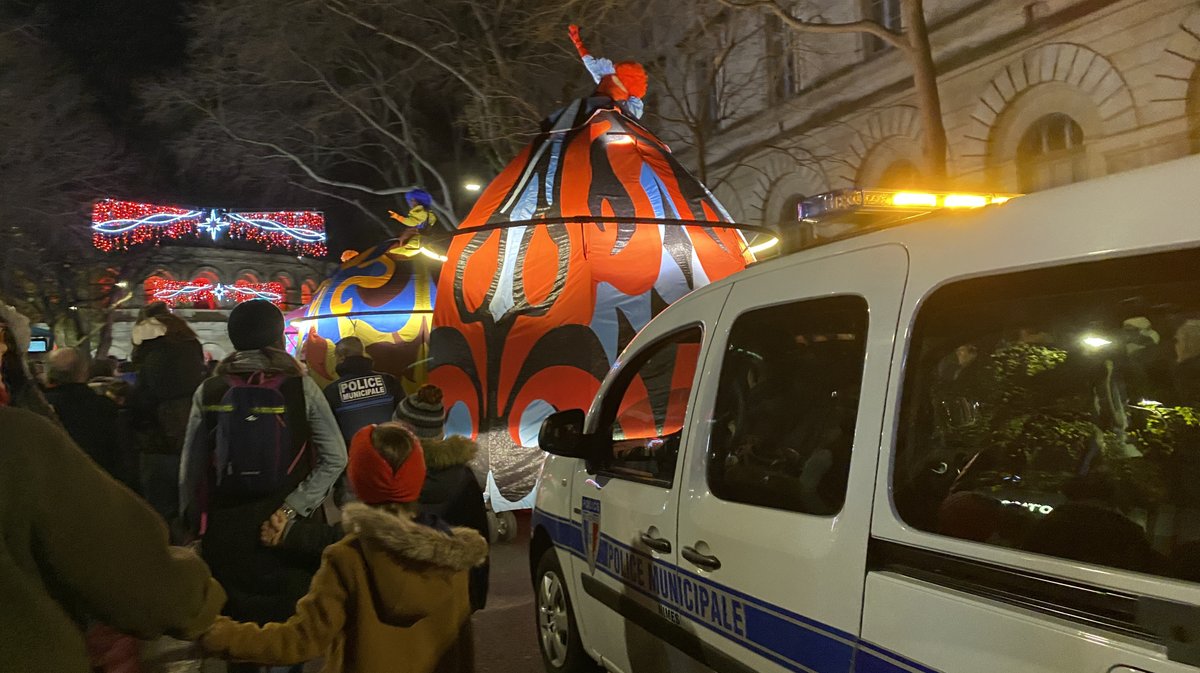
[[1095, 342], [472, 186]]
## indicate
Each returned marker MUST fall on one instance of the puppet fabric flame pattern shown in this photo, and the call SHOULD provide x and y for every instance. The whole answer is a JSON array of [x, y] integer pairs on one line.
[[531, 316], [383, 296]]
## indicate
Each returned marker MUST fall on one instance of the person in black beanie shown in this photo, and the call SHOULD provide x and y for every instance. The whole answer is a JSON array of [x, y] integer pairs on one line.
[[452, 491], [263, 583]]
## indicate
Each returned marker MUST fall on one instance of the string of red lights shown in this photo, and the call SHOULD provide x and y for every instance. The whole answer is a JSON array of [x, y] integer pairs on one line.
[[119, 225], [203, 291]]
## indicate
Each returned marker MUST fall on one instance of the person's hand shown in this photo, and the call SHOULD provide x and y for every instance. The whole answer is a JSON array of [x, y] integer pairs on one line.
[[112, 651], [271, 531], [210, 640]]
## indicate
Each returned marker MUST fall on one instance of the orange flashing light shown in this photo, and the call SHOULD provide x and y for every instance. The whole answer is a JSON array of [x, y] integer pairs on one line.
[[910, 199]]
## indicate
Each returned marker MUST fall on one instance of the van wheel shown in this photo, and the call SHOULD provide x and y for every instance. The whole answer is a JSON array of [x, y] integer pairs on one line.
[[506, 526], [558, 638], [493, 527]]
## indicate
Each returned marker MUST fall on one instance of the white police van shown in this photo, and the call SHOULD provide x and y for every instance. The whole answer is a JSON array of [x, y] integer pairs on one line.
[[970, 444]]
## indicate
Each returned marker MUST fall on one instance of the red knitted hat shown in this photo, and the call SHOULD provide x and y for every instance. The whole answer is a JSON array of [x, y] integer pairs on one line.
[[372, 477]]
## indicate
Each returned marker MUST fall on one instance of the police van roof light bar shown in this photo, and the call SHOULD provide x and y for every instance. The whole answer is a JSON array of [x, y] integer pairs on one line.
[[858, 200]]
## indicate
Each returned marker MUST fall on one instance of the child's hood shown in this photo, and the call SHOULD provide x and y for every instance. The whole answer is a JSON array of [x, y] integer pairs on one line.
[[411, 566], [448, 452]]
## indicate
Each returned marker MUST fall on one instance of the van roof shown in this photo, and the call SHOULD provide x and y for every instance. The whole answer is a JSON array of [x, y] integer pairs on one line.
[[1150, 208]]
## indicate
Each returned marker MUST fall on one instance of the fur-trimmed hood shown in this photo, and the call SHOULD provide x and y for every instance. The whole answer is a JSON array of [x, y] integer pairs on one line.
[[448, 452], [411, 565]]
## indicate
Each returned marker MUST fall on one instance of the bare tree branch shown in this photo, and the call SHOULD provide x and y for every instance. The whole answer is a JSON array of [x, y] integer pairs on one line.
[[345, 199], [806, 26], [339, 7], [301, 164]]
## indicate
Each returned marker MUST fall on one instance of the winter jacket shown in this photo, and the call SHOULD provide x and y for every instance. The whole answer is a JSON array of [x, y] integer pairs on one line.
[[452, 493], [390, 596], [78, 545], [263, 583], [362, 396], [30, 398], [169, 369], [91, 420]]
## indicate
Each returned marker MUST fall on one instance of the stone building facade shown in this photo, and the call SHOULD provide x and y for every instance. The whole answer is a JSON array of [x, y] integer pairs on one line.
[[1034, 95], [300, 277]]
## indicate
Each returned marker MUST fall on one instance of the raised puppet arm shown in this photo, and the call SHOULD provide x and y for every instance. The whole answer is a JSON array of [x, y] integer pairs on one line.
[[598, 67]]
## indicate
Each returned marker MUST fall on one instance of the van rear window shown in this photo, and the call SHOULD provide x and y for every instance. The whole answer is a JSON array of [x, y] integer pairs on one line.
[[1058, 411]]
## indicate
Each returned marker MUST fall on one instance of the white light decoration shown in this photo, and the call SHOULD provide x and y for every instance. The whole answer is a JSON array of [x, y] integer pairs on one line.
[[180, 292], [121, 224]]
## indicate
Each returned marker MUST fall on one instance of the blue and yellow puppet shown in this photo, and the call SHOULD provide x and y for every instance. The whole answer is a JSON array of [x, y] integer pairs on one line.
[[420, 217]]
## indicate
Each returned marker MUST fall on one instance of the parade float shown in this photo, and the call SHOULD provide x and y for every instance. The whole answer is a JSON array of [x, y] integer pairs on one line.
[[592, 230], [383, 295]]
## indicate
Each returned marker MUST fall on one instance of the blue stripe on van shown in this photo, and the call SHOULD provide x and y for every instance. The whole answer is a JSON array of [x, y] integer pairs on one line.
[[793, 641]]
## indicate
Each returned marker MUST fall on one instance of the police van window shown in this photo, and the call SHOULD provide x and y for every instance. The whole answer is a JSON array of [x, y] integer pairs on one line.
[[648, 419], [787, 402], [1058, 411]]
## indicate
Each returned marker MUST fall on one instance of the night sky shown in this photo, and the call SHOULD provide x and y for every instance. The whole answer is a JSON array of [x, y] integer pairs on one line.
[[116, 44], [113, 43]]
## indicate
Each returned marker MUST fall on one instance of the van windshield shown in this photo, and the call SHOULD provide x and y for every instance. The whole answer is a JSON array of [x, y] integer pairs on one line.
[[1058, 411]]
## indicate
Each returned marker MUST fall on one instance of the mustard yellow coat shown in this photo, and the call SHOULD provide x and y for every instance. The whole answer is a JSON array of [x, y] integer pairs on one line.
[[390, 597]]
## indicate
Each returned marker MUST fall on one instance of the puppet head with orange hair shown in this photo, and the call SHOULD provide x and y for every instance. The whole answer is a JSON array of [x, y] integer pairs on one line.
[[633, 77]]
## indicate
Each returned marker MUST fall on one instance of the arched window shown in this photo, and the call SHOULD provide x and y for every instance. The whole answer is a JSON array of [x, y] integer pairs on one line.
[[291, 294], [1051, 153], [887, 14], [901, 174], [248, 277], [211, 276]]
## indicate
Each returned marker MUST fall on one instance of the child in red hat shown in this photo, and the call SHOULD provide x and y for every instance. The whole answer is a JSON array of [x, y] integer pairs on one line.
[[392, 594]]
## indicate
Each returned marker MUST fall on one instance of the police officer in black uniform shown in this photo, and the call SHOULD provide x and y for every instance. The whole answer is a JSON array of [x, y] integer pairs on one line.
[[361, 396]]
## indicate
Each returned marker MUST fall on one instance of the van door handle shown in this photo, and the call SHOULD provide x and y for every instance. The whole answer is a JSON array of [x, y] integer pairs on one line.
[[658, 544], [706, 561]]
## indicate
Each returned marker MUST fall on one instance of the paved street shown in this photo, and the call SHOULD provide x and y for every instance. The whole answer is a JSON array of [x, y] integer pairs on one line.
[[505, 637]]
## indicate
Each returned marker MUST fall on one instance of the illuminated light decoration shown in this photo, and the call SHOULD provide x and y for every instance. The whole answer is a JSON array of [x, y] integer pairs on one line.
[[124, 224], [175, 292]]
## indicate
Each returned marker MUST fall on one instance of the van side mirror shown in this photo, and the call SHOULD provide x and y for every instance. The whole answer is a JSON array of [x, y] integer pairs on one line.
[[562, 434]]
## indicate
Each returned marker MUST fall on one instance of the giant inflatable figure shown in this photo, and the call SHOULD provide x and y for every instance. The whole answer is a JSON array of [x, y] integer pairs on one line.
[[384, 296], [586, 235]]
